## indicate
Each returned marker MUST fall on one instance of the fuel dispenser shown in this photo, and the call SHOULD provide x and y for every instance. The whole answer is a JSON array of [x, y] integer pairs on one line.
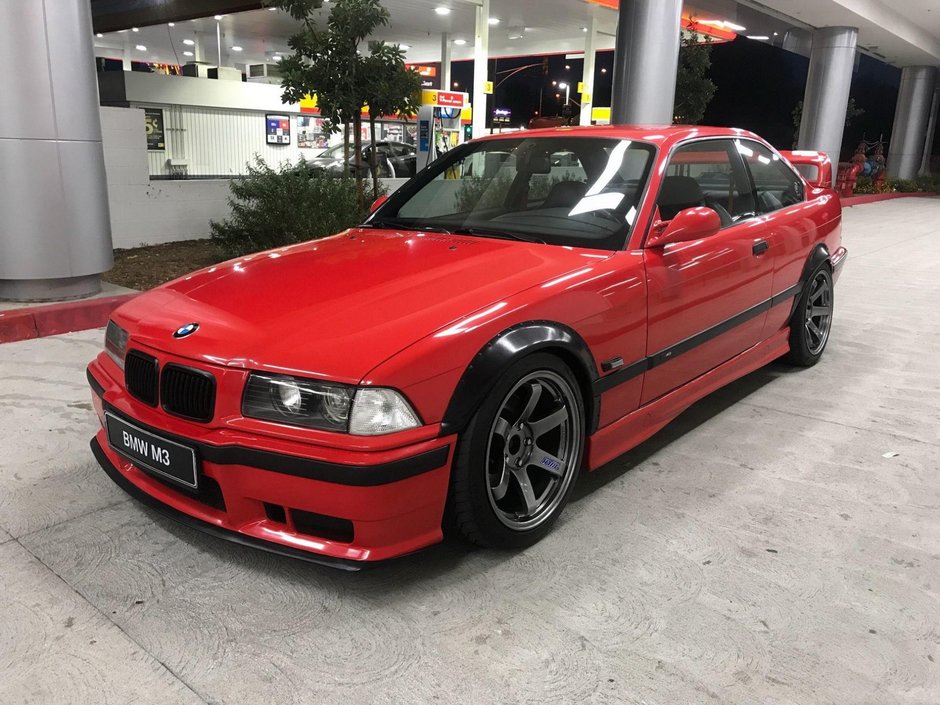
[[439, 123]]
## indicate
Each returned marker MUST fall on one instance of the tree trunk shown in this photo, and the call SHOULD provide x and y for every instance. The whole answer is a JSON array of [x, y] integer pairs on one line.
[[357, 161], [345, 171], [373, 159]]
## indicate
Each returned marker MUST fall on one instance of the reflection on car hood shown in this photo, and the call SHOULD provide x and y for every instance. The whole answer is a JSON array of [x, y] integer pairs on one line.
[[338, 307]]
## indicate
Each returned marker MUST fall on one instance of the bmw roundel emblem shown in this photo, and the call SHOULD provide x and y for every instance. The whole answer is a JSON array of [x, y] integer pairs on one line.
[[188, 329]]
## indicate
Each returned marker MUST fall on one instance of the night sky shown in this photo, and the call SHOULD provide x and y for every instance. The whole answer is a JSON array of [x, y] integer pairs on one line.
[[758, 85]]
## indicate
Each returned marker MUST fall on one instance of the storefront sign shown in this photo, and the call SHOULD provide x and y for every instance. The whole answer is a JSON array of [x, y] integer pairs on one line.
[[278, 129], [153, 119]]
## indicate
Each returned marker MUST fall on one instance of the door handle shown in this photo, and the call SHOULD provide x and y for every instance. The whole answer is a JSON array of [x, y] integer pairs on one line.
[[759, 247]]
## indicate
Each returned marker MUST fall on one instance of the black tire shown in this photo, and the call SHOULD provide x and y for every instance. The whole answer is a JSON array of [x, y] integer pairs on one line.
[[507, 440], [812, 319]]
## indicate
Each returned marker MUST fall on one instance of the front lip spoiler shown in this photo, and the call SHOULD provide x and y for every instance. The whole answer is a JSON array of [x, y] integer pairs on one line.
[[308, 468], [219, 532]]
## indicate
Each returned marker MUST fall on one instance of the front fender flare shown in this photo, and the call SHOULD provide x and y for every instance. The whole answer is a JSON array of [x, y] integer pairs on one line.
[[505, 348]]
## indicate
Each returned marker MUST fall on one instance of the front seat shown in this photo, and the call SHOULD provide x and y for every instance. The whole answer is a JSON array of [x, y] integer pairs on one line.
[[681, 192]]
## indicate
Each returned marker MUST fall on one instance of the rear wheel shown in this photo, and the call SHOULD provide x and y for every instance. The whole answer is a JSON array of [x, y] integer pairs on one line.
[[812, 320], [519, 458]]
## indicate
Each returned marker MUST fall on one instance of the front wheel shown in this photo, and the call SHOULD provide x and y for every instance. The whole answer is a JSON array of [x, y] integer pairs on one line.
[[519, 458], [812, 319]]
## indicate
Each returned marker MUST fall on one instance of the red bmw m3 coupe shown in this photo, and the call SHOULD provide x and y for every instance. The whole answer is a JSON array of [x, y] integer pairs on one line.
[[529, 306]]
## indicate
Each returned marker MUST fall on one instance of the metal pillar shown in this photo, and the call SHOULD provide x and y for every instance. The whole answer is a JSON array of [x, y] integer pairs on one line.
[[446, 80], [831, 63], [481, 51], [906, 146], [55, 233], [587, 76], [645, 62]]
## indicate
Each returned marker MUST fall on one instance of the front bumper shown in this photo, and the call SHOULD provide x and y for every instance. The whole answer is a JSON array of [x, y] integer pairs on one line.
[[335, 506]]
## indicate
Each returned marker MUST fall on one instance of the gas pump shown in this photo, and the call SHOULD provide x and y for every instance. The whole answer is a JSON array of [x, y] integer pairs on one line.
[[439, 124]]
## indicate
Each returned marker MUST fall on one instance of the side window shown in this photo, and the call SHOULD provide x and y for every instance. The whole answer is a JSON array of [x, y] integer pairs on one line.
[[775, 184], [706, 173]]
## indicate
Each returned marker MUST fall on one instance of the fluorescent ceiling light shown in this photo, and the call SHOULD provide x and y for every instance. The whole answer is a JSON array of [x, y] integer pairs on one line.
[[723, 24], [141, 47], [99, 35], [494, 21], [189, 42], [404, 47], [460, 42], [236, 48], [442, 10], [134, 29], [219, 17], [187, 53], [171, 24], [758, 37]]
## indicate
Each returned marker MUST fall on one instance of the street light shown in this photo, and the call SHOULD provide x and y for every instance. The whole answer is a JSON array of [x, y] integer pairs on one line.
[[567, 87]]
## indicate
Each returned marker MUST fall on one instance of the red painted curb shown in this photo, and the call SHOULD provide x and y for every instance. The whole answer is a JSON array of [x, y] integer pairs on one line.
[[862, 199], [40, 321]]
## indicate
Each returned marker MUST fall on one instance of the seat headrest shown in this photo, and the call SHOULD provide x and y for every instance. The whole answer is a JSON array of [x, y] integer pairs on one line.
[[565, 194], [678, 193]]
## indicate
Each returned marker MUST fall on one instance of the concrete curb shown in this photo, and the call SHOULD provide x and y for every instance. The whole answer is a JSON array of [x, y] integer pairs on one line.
[[40, 321], [862, 199]]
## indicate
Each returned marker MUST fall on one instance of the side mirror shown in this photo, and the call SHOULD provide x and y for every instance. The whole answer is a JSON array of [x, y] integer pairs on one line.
[[378, 203], [690, 224]]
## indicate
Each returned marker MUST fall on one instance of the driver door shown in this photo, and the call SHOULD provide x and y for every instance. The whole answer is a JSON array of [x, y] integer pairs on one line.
[[705, 297]]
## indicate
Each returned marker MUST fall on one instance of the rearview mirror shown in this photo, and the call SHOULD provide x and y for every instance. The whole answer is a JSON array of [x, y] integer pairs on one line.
[[690, 224], [378, 203]]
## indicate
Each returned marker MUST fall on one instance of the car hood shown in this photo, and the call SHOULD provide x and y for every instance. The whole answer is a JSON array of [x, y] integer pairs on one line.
[[338, 307]]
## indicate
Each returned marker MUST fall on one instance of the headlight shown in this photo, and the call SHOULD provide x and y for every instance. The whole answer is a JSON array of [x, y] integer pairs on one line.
[[115, 343], [379, 411], [296, 401]]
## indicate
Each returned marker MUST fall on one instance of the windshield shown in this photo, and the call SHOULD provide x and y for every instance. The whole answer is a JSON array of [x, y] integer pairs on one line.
[[564, 190]]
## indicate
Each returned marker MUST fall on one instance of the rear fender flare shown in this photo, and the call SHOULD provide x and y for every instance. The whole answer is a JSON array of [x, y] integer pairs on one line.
[[510, 345], [819, 255]]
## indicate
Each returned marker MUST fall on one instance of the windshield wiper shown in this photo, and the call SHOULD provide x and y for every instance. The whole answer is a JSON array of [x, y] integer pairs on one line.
[[496, 232], [394, 225]]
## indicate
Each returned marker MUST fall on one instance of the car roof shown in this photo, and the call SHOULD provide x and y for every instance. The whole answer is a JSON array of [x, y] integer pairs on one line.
[[661, 135]]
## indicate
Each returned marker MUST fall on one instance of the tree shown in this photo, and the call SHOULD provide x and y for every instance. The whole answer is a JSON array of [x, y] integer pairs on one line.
[[852, 111], [393, 89], [694, 89], [326, 62]]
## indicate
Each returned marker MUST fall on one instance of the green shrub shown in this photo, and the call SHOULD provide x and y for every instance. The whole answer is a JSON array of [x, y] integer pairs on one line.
[[864, 184], [276, 207]]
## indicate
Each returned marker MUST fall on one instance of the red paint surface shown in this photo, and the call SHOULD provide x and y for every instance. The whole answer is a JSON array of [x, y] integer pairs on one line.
[[411, 310], [40, 321], [862, 199]]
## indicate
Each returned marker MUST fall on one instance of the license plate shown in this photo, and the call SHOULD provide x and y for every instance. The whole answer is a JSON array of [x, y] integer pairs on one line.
[[152, 453]]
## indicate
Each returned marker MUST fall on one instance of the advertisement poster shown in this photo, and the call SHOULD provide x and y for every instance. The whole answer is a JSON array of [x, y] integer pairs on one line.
[[310, 134], [153, 119], [278, 129]]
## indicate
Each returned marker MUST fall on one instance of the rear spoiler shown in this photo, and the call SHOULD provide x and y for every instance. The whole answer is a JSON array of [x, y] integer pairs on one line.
[[816, 167]]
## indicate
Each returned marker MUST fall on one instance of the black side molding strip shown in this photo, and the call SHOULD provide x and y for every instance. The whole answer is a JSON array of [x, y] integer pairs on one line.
[[336, 473], [627, 373], [213, 530]]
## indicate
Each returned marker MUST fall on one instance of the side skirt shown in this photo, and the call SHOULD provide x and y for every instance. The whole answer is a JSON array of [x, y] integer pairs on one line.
[[634, 428]]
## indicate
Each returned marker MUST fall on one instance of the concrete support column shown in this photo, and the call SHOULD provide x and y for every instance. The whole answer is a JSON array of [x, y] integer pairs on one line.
[[931, 134], [587, 77], [909, 134], [831, 62], [481, 54], [645, 62], [446, 80], [55, 233]]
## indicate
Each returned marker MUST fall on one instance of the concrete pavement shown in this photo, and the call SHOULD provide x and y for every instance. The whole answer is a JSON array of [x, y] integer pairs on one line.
[[779, 543]]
